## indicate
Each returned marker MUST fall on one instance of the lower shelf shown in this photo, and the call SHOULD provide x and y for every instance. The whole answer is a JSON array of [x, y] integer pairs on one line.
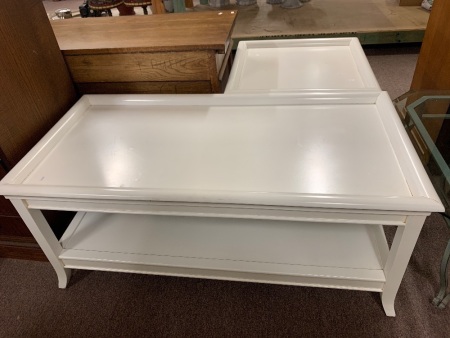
[[317, 254]]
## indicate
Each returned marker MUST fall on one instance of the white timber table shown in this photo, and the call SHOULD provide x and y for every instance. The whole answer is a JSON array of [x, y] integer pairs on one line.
[[336, 64], [275, 188]]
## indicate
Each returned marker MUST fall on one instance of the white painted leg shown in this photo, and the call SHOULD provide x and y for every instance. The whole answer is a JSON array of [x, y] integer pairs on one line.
[[38, 226], [401, 250]]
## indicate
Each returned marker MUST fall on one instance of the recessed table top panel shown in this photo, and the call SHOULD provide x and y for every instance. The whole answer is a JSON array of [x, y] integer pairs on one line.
[[289, 149], [231, 148], [290, 65]]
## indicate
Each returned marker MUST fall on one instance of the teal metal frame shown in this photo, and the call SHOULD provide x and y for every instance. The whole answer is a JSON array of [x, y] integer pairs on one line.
[[442, 298]]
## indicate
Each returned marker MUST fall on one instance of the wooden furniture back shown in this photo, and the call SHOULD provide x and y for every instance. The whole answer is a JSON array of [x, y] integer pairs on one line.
[[36, 91], [433, 67]]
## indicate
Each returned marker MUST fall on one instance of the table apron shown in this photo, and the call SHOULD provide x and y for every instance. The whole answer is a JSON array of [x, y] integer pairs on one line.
[[226, 211]]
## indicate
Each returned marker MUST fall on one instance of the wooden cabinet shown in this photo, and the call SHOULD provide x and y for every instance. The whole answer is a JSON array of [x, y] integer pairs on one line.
[[36, 91], [177, 53], [433, 66]]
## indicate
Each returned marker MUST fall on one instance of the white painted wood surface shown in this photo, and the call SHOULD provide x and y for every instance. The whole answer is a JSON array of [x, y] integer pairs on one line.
[[282, 150], [233, 240], [259, 247], [300, 64], [225, 148], [285, 188]]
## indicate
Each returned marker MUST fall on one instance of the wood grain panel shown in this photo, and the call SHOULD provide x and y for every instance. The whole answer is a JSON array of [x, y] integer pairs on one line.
[[433, 67], [146, 33], [36, 90], [6, 208], [198, 87], [14, 226], [36, 86], [147, 54], [132, 67], [30, 252]]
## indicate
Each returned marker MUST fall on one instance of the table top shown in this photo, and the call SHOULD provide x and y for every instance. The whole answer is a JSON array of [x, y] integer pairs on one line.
[[429, 112], [340, 151], [209, 30], [300, 64]]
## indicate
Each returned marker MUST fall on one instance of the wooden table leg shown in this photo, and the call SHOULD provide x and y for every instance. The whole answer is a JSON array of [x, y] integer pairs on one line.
[[401, 250], [43, 234]]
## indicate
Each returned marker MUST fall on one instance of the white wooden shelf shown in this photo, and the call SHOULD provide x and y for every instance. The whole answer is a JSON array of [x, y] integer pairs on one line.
[[256, 250]]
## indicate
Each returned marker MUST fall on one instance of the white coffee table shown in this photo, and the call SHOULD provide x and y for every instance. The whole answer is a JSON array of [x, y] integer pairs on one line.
[[284, 189], [333, 64]]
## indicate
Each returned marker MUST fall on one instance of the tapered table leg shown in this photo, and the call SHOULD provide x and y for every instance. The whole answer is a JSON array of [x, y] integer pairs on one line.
[[399, 255], [44, 236]]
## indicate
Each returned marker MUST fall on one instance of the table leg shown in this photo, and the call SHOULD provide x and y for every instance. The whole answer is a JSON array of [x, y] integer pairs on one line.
[[441, 299], [41, 231], [401, 250]]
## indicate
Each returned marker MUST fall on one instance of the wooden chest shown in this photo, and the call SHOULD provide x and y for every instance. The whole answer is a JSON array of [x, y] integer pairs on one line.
[[177, 53]]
